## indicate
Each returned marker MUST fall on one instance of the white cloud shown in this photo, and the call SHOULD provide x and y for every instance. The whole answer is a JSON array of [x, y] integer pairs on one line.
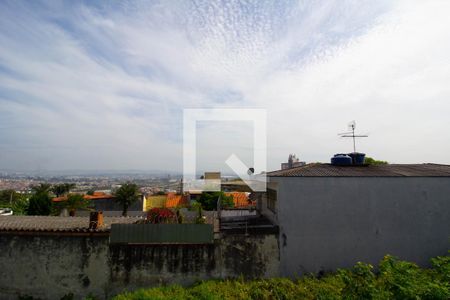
[[104, 87]]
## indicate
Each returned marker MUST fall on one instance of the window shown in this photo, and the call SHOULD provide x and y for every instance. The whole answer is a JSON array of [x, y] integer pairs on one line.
[[271, 199]]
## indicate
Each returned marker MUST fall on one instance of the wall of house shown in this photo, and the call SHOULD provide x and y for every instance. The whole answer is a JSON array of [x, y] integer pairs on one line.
[[333, 222], [262, 206], [109, 204], [50, 266]]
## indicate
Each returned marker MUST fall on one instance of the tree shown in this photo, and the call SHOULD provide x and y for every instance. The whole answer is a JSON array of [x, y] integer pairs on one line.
[[20, 205], [41, 188], [208, 200], [16, 201], [126, 195], [40, 204], [59, 190], [62, 189], [8, 196], [371, 161], [69, 186], [74, 202]]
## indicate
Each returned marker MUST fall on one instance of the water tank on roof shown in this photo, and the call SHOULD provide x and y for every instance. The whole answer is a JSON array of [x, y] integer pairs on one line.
[[341, 160], [357, 158]]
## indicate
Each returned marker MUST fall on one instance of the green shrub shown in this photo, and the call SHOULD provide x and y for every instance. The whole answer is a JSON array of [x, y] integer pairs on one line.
[[361, 283], [405, 280], [40, 204], [395, 280], [441, 266]]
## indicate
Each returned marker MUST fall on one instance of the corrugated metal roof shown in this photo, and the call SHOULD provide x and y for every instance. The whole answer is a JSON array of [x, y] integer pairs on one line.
[[389, 170], [58, 224]]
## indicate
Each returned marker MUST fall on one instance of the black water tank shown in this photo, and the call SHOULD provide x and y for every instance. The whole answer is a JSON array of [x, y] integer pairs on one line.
[[357, 158], [341, 160]]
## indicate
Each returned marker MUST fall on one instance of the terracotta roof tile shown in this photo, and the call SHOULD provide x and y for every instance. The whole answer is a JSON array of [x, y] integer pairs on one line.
[[174, 200], [240, 199], [95, 196]]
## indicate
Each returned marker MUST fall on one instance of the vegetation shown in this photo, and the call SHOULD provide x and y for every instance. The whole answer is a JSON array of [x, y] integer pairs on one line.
[[16, 201], [40, 204], [41, 188], [200, 219], [40, 201], [161, 215], [20, 205], [8, 196], [395, 280], [126, 195], [208, 200], [62, 189], [74, 202], [371, 161]]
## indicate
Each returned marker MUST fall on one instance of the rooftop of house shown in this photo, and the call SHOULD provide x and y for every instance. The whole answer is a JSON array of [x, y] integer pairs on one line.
[[240, 199], [58, 224], [172, 200], [175, 200], [94, 196], [388, 170]]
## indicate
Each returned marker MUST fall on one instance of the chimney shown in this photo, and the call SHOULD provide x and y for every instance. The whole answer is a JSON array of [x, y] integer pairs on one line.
[[95, 220]]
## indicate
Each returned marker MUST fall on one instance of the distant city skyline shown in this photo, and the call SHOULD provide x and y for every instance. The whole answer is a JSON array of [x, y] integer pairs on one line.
[[102, 85]]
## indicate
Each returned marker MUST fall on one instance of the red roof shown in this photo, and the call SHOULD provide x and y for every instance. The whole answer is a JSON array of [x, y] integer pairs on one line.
[[240, 199], [95, 196], [174, 200]]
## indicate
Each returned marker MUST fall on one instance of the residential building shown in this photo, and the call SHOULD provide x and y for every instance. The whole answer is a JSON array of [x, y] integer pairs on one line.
[[293, 162], [105, 202], [332, 216]]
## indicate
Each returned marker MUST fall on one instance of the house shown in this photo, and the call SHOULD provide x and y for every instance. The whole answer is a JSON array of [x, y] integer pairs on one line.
[[102, 201], [240, 199], [173, 200], [332, 216]]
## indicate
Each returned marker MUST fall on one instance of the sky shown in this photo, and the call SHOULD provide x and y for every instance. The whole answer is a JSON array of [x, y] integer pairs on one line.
[[101, 85]]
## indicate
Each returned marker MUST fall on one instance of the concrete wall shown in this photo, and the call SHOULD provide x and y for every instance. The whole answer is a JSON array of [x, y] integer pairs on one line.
[[261, 204], [50, 266], [333, 222]]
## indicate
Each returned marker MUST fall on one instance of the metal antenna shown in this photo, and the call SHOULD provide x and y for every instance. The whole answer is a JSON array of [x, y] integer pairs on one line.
[[351, 133]]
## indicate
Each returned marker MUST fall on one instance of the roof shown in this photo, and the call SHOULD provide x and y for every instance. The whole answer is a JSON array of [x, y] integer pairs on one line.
[[170, 200], [175, 200], [240, 199], [58, 224], [389, 170], [95, 196]]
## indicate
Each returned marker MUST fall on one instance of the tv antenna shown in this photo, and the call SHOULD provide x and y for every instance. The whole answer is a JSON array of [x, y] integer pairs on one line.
[[351, 133]]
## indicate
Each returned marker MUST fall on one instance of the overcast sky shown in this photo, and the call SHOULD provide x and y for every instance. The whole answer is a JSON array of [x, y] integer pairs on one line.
[[102, 85]]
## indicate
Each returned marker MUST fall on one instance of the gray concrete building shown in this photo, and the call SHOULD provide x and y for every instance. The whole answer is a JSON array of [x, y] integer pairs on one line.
[[334, 216]]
